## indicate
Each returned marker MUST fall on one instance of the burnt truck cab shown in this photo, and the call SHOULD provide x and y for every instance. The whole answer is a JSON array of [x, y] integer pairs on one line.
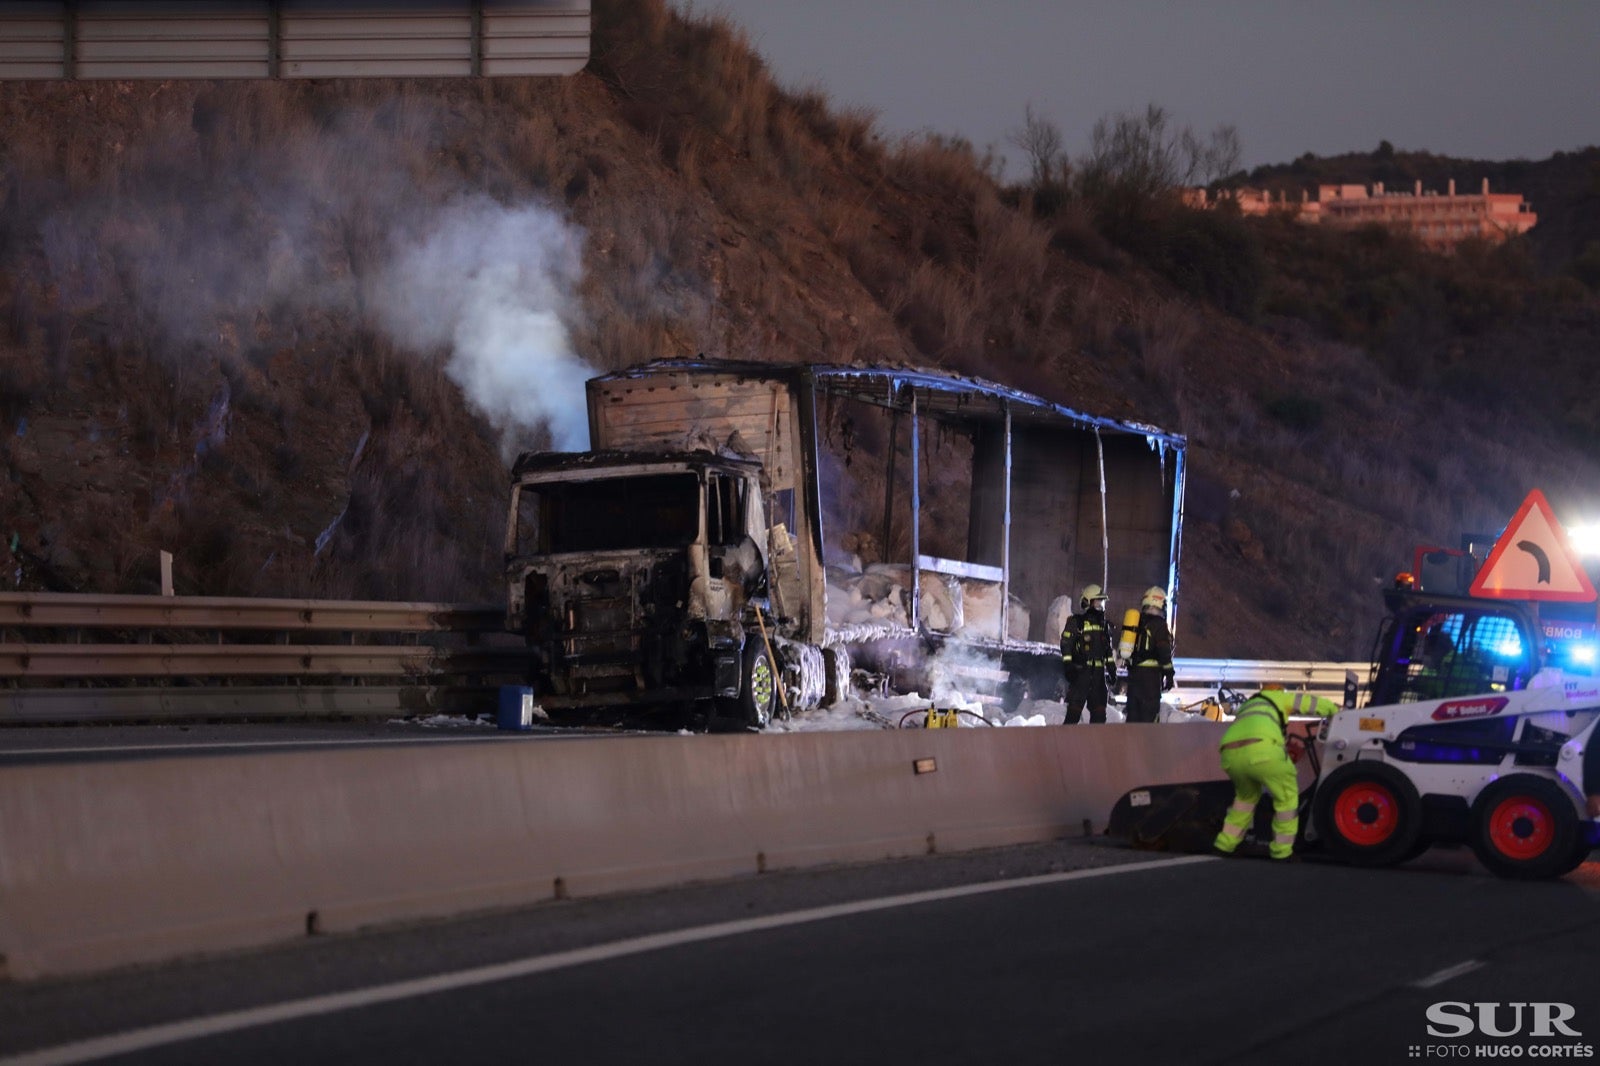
[[637, 578]]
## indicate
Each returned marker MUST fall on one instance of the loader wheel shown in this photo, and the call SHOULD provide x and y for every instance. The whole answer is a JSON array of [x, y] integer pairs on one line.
[[1369, 815], [1525, 827]]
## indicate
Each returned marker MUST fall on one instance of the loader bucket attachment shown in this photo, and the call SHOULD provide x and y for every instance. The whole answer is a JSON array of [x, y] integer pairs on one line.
[[1183, 817]]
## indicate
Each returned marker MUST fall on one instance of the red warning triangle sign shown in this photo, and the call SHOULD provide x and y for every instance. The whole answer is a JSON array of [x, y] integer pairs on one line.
[[1532, 560]]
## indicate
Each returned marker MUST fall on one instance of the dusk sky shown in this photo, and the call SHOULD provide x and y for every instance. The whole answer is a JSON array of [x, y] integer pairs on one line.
[[1482, 79]]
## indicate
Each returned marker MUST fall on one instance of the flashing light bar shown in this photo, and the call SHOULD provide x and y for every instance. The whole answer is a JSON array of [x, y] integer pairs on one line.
[[1585, 540]]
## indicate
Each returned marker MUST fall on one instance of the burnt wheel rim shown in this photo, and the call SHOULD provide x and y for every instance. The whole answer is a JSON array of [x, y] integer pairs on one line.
[[1521, 828], [762, 688], [1366, 814]]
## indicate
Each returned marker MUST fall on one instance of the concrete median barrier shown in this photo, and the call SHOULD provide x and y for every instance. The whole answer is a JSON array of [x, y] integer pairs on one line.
[[106, 863]]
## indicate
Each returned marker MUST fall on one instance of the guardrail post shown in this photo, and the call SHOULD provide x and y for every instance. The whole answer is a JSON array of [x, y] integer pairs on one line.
[[166, 572]]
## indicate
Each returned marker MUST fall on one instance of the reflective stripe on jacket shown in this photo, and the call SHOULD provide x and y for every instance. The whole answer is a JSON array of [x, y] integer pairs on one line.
[[1265, 716], [1086, 641], [1152, 645]]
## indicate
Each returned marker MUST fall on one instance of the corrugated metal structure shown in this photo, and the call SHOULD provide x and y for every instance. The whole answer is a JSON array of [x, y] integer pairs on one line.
[[174, 39]]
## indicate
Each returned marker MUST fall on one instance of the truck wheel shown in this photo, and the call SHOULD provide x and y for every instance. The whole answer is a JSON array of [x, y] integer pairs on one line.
[[1524, 827], [1368, 815], [758, 689]]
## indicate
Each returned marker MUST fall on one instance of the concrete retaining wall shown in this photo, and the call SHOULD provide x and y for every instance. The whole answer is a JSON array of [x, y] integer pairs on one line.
[[106, 863]]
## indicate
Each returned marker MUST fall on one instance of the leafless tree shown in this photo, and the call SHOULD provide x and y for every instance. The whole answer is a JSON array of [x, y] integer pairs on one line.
[[1214, 159], [1144, 155], [1040, 141]]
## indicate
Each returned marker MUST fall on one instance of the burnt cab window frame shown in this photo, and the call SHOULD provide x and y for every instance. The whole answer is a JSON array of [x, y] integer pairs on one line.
[[726, 517], [636, 512]]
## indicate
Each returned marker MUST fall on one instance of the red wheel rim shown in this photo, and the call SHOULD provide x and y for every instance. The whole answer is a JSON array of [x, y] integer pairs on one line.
[[1366, 814], [1520, 827]]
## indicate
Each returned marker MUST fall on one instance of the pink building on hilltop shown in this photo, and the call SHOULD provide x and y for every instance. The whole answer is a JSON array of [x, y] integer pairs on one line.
[[1440, 221]]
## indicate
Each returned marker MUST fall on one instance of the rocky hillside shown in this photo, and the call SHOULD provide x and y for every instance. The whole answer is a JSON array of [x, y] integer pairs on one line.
[[290, 331]]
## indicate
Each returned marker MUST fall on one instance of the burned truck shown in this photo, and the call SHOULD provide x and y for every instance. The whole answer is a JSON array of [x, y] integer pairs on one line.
[[750, 538]]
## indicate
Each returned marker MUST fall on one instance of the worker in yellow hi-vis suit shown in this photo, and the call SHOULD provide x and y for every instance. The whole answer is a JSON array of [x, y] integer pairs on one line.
[[1255, 758]]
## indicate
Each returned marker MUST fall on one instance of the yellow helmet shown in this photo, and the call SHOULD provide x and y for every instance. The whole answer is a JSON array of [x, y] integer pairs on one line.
[[1093, 597], [1155, 600]]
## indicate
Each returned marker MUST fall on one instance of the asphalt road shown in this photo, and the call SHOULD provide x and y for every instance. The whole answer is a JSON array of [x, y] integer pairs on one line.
[[1236, 961]]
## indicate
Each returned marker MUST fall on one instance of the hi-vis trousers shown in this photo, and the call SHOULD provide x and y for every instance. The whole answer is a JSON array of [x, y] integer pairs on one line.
[[1254, 768]]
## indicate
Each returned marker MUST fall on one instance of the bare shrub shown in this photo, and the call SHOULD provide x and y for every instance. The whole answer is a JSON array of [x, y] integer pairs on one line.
[[686, 156], [846, 130], [1093, 319], [932, 163], [1012, 249], [535, 149], [856, 130], [937, 308], [1074, 233], [1144, 155], [792, 144], [1166, 330], [733, 86], [847, 221], [616, 341], [1041, 144]]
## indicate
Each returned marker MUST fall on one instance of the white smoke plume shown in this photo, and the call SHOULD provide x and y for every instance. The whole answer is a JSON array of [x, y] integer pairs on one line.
[[954, 672], [353, 231], [491, 284]]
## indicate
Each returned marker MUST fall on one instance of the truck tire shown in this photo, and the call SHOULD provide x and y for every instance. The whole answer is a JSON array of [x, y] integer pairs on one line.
[[1524, 827], [836, 664], [758, 686], [1368, 814]]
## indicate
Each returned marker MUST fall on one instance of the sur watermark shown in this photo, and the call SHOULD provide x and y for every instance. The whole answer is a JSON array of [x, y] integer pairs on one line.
[[1502, 1031]]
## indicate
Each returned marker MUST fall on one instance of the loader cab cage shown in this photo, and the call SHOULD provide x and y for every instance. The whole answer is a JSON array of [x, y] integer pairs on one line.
[[1434, 648]]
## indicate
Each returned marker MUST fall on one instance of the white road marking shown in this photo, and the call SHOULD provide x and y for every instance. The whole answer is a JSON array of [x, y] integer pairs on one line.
[[1447, 974], [233, 1021]]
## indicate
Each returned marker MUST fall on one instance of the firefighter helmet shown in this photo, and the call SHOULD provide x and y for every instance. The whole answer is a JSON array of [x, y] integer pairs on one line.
[[1155, 600], [1093, 598]]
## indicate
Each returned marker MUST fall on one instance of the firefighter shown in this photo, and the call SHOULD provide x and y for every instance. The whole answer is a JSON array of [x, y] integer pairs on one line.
[[1150, 662], [1255, 758], [1086, 657]]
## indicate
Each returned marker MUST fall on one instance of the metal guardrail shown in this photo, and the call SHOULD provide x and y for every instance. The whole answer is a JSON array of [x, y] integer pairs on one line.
[[1318, 678], [91, 611], [135, 658], [56, 661], [214, 660], [121, 658]]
